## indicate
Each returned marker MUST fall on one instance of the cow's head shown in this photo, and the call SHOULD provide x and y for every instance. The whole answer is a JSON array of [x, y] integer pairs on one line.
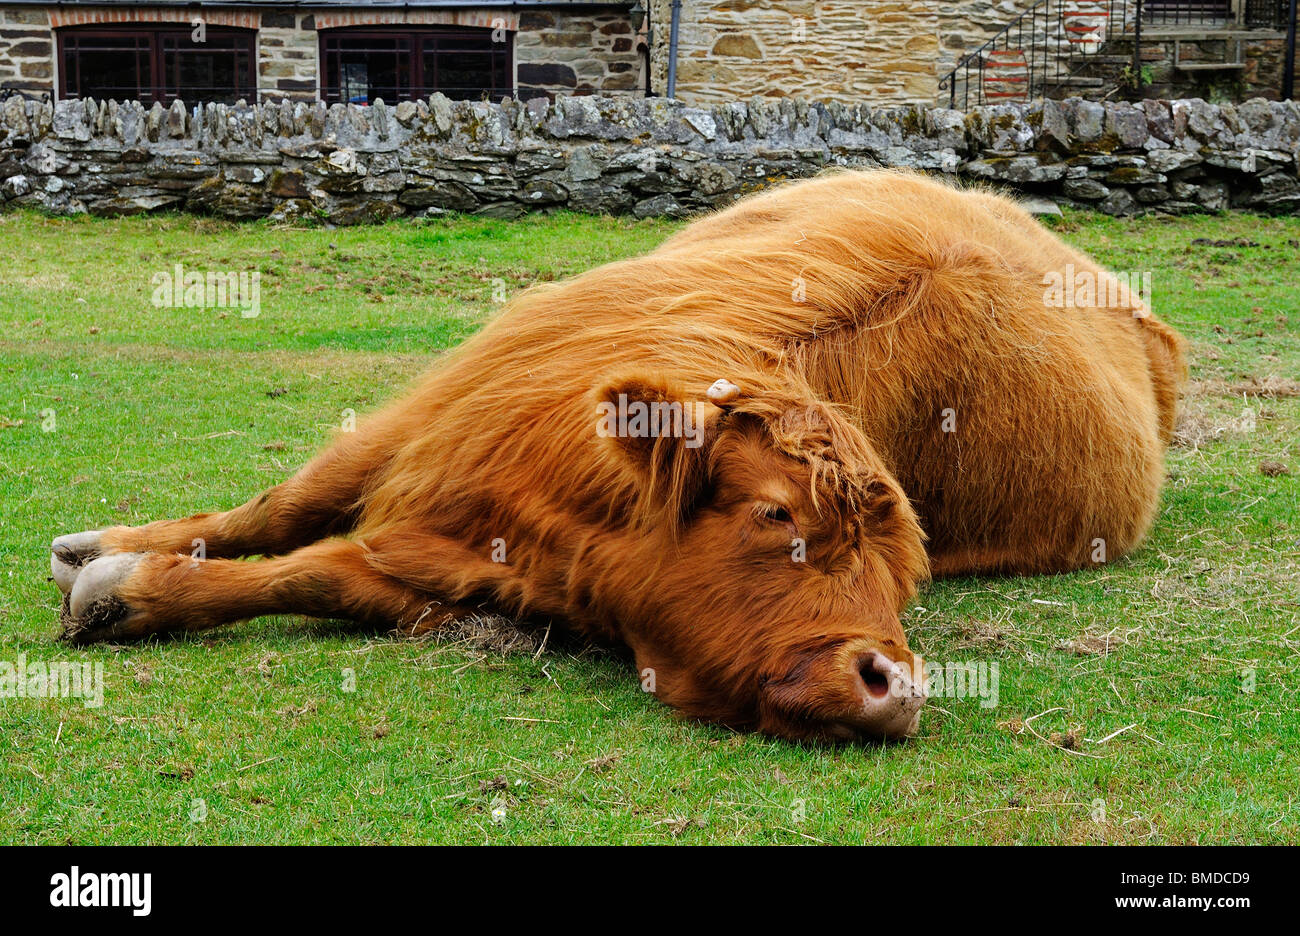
[[768, 554]]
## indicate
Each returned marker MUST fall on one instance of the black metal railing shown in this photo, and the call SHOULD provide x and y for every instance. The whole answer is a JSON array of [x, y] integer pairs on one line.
[[1187, 12], [1041, 47], [1267, 14], [1252, 14]]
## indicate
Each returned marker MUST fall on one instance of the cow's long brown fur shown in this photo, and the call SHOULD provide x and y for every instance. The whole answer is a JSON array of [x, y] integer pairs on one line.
[[856, 312]]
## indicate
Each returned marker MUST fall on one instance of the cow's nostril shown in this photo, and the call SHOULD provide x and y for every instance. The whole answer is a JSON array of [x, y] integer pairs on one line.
[[876, 682], [888, 705]]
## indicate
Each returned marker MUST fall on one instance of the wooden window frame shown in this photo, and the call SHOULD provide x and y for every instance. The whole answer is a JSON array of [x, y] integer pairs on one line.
[[152, 87], [417, 84]]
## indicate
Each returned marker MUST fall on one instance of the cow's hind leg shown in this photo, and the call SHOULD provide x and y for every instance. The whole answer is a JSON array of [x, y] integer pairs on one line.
[[128, 596], [321, 500]]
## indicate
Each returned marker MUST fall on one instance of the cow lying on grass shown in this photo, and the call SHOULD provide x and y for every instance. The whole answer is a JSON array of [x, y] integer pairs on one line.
[[730, 455]]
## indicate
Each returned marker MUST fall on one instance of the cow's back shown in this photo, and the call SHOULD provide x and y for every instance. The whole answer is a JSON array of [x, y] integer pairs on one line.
[[899, 298], [1020, 427]]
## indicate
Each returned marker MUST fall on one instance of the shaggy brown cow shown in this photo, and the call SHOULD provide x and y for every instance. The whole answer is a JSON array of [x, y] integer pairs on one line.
[[883, 365]]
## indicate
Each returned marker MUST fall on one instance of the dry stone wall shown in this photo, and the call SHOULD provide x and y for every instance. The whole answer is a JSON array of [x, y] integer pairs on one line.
[[647, 157]]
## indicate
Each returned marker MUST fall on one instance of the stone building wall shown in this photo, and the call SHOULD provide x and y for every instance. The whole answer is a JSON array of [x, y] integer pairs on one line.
[[555, 51], [349, 165], [287, 56], [879, 51], [26, 50], [875, 51], [577, 52], [869, 50], [897, 51], [849, 50]]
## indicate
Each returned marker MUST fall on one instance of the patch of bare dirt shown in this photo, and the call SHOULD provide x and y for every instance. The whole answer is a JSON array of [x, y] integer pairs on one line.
[[298, 711], [678, 824], [604, 762], [1069, 740]]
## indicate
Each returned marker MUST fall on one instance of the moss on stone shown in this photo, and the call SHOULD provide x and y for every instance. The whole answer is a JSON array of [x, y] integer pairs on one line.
[[1126, 175], [1106, 143]]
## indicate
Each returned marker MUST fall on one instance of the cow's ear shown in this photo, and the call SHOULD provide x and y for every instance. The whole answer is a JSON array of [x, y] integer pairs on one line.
[[881, 501], [660, 435]]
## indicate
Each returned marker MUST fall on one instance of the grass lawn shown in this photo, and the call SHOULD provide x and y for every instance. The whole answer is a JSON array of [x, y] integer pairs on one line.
[[1150, 701]]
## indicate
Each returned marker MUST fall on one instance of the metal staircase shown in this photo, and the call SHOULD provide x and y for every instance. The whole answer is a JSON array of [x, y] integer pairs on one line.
[[1042, 48], [1071, 46]]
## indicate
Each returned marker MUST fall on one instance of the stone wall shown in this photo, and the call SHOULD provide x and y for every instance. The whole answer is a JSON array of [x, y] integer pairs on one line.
[[897, 51], [347, 164], [558, 50], [26, 50], [287, 56], [863, 50], [879, 51]]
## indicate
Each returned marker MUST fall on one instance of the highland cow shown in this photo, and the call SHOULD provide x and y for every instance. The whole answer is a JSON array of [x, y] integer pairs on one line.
[[875, 390]]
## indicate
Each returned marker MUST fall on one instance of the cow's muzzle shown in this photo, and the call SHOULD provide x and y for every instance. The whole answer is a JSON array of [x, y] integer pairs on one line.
[[889, 699]]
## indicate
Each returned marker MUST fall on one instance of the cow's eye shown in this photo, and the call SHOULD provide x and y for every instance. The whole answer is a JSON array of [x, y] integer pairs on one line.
[[773, 513]]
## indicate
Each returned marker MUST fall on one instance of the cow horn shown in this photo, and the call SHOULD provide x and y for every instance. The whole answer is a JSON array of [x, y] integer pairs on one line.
[[723, 392]]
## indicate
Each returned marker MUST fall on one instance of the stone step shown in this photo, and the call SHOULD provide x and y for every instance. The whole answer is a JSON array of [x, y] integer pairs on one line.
[[1078, 81], [1209, 66], [1202, 34], [1109, 59]]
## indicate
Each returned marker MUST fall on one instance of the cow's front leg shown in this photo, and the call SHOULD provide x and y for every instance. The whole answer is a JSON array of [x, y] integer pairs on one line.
[[125, 596], [321, 500]]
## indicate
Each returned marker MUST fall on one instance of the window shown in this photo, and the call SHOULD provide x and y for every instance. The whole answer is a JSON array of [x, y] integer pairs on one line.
[[359, 65], [1174, 12], [156, 64]]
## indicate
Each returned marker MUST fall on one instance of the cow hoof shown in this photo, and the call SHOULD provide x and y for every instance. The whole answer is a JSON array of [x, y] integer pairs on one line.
[[70, 554], [93, 609]]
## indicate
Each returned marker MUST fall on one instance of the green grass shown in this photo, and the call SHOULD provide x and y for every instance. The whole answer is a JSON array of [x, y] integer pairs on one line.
[[162, 412]]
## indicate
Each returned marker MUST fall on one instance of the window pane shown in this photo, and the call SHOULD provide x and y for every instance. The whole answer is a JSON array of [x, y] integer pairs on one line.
[[214, 70], [400, 64], [459, 75], [362, 68], [121, 65], [107, 67]]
